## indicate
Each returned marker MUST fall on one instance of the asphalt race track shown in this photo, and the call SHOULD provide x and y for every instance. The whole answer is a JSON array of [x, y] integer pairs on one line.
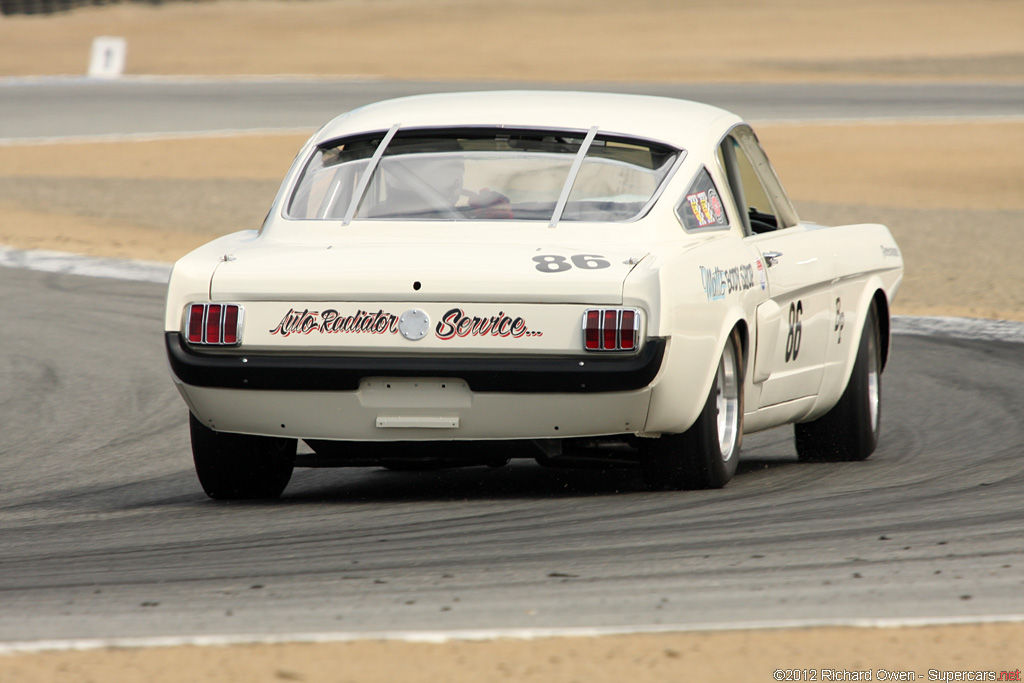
[[106, 533], [53, 107]]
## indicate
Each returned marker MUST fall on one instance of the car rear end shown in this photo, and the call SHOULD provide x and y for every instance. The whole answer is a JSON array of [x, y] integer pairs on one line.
[[362, 346], [417, 284]]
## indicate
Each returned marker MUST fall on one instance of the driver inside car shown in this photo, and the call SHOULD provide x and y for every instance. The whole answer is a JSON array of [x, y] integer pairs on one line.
[[431, 185]]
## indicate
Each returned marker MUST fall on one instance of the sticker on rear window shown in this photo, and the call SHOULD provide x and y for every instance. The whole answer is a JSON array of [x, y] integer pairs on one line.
[[702, 208]]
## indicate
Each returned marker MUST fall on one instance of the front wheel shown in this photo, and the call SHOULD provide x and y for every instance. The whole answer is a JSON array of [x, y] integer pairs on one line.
[[238, 466], [704, 456], [850, 430]]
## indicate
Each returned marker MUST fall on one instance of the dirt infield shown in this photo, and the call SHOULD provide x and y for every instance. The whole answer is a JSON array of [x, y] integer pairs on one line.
[[953, 196], [567, 40], [728, 656]]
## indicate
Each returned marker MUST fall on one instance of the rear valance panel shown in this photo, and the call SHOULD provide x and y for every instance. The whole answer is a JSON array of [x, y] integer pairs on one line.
[[345, 373]]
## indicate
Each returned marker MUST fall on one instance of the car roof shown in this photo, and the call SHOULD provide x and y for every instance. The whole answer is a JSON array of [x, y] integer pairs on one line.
[[680, 123]]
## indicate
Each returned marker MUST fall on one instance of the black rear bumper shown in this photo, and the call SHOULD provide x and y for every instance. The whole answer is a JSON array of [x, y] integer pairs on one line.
[[587, 374]]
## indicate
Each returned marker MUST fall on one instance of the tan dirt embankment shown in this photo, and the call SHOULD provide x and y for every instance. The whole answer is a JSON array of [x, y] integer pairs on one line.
[[559, 40], [745, 656]]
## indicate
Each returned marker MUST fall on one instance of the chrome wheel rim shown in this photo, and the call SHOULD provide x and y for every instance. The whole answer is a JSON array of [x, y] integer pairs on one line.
[[727, 399], [874, 381]]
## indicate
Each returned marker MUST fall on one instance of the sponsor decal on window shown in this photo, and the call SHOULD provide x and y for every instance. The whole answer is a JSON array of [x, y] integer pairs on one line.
[[702, 207]]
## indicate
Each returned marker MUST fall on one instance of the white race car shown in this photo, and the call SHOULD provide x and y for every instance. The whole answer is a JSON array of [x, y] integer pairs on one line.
[[464, 278]]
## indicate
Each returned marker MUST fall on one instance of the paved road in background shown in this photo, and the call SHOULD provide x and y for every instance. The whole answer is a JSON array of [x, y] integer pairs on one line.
[[46, 108], [105, 532]]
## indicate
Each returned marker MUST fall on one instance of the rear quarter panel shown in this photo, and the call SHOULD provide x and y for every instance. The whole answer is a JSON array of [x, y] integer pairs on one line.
[[190, 278], [868, 264], [698, 291]]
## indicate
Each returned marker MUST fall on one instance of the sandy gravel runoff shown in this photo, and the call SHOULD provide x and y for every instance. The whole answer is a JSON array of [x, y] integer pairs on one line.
[[952, 194], [745, 656], [569, 40]]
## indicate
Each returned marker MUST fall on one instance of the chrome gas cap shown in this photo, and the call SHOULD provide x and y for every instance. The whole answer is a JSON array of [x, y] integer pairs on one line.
[[414, 324]]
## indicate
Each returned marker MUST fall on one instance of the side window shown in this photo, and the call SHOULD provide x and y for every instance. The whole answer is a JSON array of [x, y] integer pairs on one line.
[[701, 208], [747, 188]]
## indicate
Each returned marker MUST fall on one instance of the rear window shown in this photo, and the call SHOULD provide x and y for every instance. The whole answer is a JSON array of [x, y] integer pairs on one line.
[[468, 175]]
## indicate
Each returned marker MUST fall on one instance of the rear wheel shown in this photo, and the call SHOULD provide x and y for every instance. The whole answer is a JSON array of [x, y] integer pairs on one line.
[[704, 456], [850, 430], [236, 466]]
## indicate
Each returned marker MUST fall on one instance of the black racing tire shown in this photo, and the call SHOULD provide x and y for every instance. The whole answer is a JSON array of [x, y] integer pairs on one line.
[[706, 455], [849, 431], [241, 466]]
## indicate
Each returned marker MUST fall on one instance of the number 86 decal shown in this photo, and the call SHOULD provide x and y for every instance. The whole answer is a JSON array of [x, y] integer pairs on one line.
[[555, 263], [840, 321], [795, 331]]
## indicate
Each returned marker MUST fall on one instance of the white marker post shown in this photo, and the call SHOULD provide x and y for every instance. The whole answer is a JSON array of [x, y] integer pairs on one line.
[[107, 59]]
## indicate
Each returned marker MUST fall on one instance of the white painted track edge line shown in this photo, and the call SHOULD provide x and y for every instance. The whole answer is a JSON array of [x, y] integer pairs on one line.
[[79, 78], [972, 329], [47, 261], [447, 636]]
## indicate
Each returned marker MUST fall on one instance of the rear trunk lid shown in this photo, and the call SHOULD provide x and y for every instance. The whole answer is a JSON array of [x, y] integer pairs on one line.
[[379, 272]]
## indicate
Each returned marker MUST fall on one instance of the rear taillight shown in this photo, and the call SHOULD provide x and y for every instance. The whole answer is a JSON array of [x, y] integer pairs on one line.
[[629, 324], [214, 324], [610, 329], [194, 326], [231, 324]]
